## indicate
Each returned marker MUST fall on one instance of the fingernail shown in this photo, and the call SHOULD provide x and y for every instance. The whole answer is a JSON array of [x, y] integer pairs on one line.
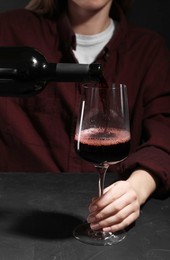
[[106, 229], [90, 219], [94, 226], [93, 208]]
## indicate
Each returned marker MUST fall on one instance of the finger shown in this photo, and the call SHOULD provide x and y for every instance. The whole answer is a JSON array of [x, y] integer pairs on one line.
[[117, 218], [124, 224], [110, 209], [111, 194], [113, 208]]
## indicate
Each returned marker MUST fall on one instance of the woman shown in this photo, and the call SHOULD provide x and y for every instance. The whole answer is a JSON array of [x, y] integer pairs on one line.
[[37, 133]]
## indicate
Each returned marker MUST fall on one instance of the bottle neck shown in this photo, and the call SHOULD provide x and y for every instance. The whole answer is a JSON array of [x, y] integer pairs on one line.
[[73, 72]]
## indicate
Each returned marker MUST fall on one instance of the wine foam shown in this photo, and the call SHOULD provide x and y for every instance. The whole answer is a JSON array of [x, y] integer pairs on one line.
[[101, 137]]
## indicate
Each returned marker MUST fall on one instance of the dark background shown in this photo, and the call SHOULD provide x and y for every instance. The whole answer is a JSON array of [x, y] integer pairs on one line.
[[152, 14]]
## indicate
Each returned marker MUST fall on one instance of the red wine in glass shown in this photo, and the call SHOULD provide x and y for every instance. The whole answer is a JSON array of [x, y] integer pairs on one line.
[[103, 138], [97, 145]]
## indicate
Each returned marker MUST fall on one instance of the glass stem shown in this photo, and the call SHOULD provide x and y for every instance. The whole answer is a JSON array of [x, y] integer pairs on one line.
[[102, 169]]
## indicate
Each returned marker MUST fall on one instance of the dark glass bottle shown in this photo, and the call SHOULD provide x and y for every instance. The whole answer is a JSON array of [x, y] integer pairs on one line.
[[25, 72]]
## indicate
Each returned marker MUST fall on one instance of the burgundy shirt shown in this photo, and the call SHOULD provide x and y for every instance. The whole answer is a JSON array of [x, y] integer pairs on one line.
[[37, 133]]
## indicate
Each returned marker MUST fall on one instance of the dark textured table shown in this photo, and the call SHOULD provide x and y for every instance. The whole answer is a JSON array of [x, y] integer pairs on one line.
[[39, 211]]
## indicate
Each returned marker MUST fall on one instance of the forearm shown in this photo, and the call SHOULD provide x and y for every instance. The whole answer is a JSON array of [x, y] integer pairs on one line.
[[143, 183]]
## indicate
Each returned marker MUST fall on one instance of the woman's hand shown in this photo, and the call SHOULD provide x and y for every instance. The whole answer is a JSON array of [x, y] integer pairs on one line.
[[119, 206], [116, 209]]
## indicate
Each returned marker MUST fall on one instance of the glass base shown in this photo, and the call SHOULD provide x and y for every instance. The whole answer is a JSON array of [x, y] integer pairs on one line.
[[84, 234]]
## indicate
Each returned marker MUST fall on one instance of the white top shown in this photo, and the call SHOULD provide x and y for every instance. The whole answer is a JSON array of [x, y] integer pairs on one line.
[[89, 46]]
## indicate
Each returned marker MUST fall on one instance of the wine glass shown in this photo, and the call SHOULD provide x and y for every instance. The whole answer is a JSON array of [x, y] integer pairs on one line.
[[102, 137]]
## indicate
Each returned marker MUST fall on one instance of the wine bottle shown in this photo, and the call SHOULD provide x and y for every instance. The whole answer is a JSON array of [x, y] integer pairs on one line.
[[24, 71]]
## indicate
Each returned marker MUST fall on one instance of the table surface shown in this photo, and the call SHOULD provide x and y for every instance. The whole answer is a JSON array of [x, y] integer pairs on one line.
[[39, 211]]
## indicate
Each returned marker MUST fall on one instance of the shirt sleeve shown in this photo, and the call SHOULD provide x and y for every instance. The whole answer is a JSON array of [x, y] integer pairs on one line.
[[153, 153]]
